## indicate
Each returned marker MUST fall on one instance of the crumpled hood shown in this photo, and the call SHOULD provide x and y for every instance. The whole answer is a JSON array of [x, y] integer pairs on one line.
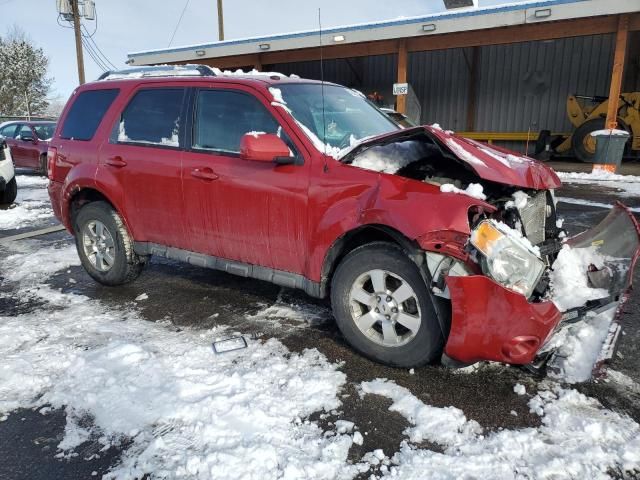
[[499, 164], [488, 161]]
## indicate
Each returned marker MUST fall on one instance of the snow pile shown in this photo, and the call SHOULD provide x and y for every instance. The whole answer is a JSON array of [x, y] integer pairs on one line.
[[32, 204], [578, 347], [250, 73], [178, 409], [392, 157], [445, 426], [474, 190], [577, 439], [569, 282], [519, 200]]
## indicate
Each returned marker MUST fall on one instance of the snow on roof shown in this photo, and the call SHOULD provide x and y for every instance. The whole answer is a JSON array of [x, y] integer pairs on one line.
[[463, 19]]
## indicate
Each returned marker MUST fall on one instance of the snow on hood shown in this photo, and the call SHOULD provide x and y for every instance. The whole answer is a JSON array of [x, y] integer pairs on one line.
[[498, 164]]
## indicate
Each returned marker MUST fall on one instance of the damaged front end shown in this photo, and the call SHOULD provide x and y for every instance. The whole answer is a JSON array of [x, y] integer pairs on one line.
[[509, 314], [497, 283]]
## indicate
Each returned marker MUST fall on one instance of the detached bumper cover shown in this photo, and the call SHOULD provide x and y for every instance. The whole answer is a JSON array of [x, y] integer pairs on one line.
[[490, 322]]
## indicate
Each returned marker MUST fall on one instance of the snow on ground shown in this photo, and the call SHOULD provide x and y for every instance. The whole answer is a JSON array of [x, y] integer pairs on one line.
[[589, 203], [186, 411], [577, 439], [31, 205], [629, 185]]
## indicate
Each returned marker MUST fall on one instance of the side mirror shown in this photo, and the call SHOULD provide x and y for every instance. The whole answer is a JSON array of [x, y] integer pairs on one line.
[[264, 147], [26, 138]]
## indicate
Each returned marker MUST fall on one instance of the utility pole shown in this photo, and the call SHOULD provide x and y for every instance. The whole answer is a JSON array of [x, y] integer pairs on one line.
[[78, 34], [220, 22]]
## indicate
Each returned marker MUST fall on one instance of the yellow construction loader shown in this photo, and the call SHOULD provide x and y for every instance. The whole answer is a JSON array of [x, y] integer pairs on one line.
[[588, 113]]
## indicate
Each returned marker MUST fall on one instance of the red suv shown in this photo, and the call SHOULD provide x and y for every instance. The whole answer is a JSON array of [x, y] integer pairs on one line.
[[29, 142], [413, 233]]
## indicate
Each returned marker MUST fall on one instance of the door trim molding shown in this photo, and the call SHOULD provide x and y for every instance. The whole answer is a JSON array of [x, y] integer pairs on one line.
[[279, 277]]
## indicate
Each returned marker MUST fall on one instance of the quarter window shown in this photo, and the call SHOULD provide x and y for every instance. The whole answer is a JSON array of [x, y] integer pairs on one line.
[[86, 113], [152, 117], [223, 117]]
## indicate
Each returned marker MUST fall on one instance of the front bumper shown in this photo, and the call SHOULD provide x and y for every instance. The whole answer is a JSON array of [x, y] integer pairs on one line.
[[490, 322]]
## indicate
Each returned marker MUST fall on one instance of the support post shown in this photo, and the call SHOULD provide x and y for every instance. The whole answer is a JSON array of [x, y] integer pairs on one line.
[[618, 69], [258, 63], [472, 91], [78, 35], [220, 22], [401, 100]]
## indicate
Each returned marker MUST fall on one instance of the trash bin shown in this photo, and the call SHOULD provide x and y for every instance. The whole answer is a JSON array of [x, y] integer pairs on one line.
[[610, 145]]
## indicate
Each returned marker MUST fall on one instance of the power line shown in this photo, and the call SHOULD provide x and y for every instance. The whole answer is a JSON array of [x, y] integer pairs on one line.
[[186, 4], [94, 56], [97, 49]]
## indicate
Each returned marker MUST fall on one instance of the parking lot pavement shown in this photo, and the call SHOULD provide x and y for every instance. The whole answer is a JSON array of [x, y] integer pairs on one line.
[[187, 297]]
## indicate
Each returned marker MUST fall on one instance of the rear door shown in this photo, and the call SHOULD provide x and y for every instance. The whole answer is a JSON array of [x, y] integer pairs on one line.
[[253, 212], [144, 156]]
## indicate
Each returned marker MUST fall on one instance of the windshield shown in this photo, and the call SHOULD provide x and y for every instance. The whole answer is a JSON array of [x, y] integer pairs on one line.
[[348, 116], [44, 132]]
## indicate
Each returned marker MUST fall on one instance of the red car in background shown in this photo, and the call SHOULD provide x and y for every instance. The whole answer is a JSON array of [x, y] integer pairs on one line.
[[29, 142]]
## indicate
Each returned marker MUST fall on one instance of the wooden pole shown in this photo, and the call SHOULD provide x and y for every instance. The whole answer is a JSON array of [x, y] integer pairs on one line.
[[401, 102], [618, 69], [78, 35], [220, 22], [472, 91]]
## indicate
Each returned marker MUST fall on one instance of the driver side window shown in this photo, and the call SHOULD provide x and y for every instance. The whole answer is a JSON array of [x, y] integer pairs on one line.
[[222, 117]]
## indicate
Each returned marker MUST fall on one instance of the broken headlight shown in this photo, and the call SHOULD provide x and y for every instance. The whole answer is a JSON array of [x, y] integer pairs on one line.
[[508, 257]]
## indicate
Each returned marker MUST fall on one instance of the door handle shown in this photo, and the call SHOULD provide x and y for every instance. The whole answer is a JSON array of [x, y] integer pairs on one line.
[[117, 162], [204, 174]]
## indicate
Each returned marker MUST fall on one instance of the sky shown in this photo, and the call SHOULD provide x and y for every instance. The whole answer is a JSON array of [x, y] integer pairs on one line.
[[132, 25]]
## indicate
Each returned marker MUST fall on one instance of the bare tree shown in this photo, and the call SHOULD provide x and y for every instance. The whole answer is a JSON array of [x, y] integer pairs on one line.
[[24, 84]]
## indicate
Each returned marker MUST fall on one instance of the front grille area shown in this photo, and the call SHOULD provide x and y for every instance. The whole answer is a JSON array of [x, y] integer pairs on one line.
[[533, 217]]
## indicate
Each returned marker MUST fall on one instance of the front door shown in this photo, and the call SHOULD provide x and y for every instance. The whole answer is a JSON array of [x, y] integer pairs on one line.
[[251, 212], [144, 155]]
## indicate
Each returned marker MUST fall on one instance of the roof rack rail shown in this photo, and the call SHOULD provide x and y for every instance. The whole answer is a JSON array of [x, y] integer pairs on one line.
[[188, 70]]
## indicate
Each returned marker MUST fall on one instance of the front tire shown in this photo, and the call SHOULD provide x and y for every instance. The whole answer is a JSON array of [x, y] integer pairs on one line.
[[8, 196], [104, 245], [383, 308]]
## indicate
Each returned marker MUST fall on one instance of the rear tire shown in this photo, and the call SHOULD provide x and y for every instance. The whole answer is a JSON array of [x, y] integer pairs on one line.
[[104, 245], [8, 196], [383, 308]]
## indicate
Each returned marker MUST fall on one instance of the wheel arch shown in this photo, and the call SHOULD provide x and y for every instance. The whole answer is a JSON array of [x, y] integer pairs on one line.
[[358, 237], [84, 195]]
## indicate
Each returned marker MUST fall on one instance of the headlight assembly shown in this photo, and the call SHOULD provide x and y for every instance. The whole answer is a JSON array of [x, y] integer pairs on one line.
[[509, 259]]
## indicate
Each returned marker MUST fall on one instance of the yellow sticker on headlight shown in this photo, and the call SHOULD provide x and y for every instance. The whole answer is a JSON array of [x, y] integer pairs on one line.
[[485, 236]]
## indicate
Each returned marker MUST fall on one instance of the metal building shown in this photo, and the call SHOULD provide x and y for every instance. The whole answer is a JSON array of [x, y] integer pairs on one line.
[[496, 73]]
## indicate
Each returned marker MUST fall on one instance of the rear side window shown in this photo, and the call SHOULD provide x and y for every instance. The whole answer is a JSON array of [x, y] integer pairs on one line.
[[223, 117], [86, 113], [152, 117], [8, 131]]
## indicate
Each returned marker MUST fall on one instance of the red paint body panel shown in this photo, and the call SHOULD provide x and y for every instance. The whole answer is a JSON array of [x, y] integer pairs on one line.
[[490, 322]]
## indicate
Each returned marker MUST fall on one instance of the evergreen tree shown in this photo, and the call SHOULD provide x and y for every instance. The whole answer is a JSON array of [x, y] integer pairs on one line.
[[24, 85]]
